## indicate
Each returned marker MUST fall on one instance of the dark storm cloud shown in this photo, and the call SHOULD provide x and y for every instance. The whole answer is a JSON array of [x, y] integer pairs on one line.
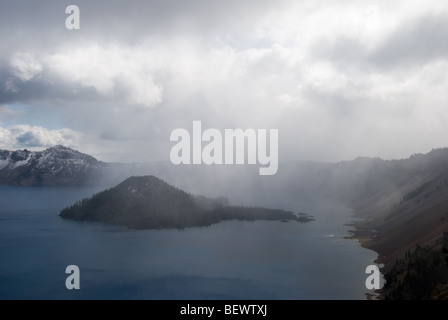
[[14, 90], [128, 20], [418, 41], [415, 43]]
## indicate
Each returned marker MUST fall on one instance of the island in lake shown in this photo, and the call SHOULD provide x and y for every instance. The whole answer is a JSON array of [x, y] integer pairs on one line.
[[147, 202]]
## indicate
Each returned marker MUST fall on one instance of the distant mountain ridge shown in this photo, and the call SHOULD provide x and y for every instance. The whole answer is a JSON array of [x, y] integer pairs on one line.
[[352, 181], [148, 202], [55, 166]]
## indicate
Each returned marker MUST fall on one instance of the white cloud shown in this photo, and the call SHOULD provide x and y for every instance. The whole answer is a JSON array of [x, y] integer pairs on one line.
[[25, 136], [25, 66], [109, 70]]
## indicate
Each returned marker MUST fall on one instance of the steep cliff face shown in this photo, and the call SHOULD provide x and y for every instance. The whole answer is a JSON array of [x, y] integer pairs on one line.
[[411, 208]]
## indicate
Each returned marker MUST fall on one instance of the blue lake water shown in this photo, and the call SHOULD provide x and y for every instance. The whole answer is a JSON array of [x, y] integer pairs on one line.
[[229, 260]]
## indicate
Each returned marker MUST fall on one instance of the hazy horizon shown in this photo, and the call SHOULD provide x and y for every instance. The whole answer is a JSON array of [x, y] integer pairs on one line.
[[167, 161], [338, 81]]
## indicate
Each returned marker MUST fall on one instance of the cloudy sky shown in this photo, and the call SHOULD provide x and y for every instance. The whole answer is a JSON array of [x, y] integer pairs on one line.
[[338, 79]]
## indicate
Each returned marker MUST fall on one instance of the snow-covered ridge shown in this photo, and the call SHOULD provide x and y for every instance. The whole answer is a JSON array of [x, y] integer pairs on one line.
[[14, 159], [57, 165], [52, 156]]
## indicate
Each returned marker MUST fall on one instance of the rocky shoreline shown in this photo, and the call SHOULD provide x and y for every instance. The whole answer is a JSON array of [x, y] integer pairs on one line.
[[420, 273], [365, 236]]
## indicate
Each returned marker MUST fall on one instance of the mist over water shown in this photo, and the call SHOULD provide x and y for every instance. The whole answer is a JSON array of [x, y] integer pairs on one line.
[[230, 260]]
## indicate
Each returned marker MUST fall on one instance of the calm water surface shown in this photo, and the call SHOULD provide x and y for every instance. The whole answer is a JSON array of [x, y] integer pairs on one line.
[[230, 260]]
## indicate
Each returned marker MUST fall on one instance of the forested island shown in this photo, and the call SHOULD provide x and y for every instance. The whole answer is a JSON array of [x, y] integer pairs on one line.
[[148, 202]]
